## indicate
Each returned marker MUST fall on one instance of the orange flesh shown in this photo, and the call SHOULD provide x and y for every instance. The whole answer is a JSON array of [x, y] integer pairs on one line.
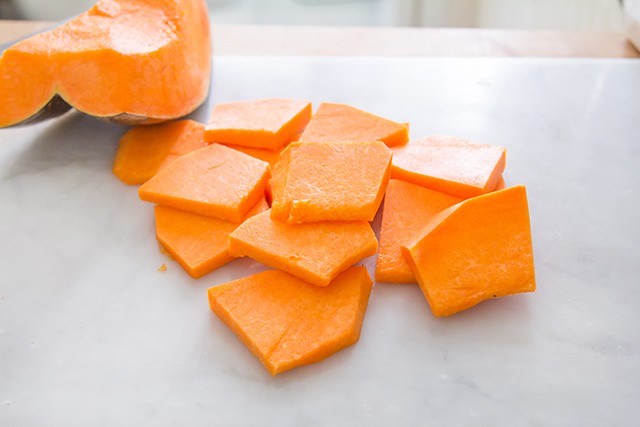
[[407, 209], [269, 156], [501, 185], [331, 182], [120, 57], [145, 150], [450, 165], [215, 181], [339, 122], [277, 182], [315, 253], [286, 323], [263, 123], [473, 251], [199, 243]]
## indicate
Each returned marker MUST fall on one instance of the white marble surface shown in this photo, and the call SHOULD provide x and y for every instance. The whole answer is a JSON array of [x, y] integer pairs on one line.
[[91, 333]]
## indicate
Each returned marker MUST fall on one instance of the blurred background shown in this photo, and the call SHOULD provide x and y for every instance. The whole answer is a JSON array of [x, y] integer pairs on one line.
[[588, 15]]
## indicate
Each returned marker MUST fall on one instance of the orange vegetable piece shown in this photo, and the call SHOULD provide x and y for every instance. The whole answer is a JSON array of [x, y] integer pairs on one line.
[[263, 123], [133, 61], [269, 156], [316, 253], [407, 209], [286, 323], [501, 184], [339, 122], [199, 243], [144, 150], [331, 182], [215, 181], [275, 189], [473, 251], [450, 165]]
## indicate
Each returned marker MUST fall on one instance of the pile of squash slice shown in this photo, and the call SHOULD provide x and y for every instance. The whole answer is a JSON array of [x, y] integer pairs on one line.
[[271, 179]]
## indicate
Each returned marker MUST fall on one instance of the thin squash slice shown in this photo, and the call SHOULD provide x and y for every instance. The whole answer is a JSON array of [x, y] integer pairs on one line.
[[269, 156], [275, 189], [450, 165], [473, 251], [268, 124], [215, 181], [145, 150], [339, 122], [133, 61], [287, 323], [199, 243], [407, 209], [316, 253], [320, 181]]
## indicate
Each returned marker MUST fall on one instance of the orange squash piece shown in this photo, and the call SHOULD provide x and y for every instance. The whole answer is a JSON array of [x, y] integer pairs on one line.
[[215, 181], [324, 181], [316, 253], [286, 323], [264, 123], [407, 209], [199, 243], [275, 189], [134, 61], [144, 150], [501, 184], [269, 156], [339, 122], [473, 251], [450, 165]]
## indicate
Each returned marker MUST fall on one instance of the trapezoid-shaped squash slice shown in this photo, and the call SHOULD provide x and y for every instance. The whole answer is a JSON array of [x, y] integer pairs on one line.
[[340, 122], [450, 165], [133, 61], [287, 323], [476, 250], [407, 209]]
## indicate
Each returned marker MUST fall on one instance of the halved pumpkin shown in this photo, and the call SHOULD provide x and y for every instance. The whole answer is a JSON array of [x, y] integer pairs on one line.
[[133, 61]]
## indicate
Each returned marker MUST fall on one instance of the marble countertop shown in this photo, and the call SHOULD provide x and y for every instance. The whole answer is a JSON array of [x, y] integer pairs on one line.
[[91, 333]]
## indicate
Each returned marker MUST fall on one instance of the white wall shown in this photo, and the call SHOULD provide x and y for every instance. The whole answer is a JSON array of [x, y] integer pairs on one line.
[[51, 10], [312, 12], [525, 14]]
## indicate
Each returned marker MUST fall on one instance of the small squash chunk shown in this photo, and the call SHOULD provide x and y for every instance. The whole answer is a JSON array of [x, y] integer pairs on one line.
[[215, 181], [475, 250], [501, 184], [450, 165], [133, 61], [287, 323], [145, 150], [269, 156], [407, 209], [267, 124], [199, 243], [324, 181], [339, 122], [275, 189], [316, 253]]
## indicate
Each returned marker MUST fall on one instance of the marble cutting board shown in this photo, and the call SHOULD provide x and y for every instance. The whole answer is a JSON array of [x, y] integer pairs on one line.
[[91, 333]]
